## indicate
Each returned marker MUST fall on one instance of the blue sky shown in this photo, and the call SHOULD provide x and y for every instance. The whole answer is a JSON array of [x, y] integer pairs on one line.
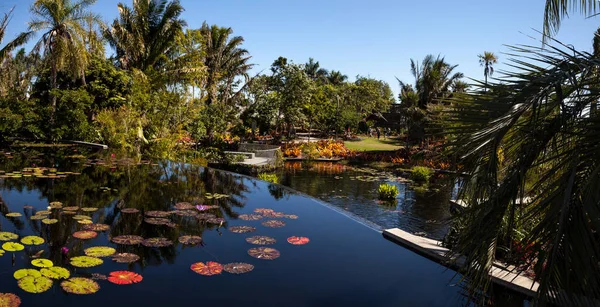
[[375, 38]]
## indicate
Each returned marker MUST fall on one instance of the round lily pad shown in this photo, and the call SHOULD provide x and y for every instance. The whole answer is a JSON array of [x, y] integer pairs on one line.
[[157, 221], [32, 240], [85, 261], [56, 272], [80, 285], [157, 242], [238, 268], [128, 240], [18, 274], [99, 251], [12, 247], [183, 206], [69, 213], [261, 240], [35, 284], [13, 214], [130, 210], [185, 213], [205, 216], [38, 217], [250, 217], [216, 220], [9, 300], [49, 221], [73, 208], [2, 252], [125, 258], [263, 210], [241, 229], [124, 277], [85, 222], [208, 269], [273, 223], [85, 234], [291, 216], [265, 253], [190, 240], [42, 263], [43, 212], [298, 240], [81, 217], [89, 209], [56, 205], [158, 213], [7, 236], [274, 214], [96, 227]]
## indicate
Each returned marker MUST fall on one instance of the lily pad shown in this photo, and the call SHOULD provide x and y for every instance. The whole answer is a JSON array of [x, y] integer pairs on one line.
[[190, 240], [265, 253], [183, 206], [43, 212], [261, 240], [2, 252], [216, 220], [42, 263], [73, 208], [241, 229], [81, 217], [32, 240], [158, 213], [273, 223], [7, 236], [85, 234], [124, 277], [157, 242], [68, 213], [18, 274], [208, 269], [99, 251], [86, 261], [96, 227], [130, 210], [9, 300], [274, 214], [56, 205], [80, 285], [13, 214], [89, 209], [298, 240], [128, 240], [38, 217], [291, 216], [35, 284], [125, 258], [205, 216], [12, 247], [56, 272], [185, 213], [263, 210], [157, 221], [238, 268], [85, 222], [49, 221], [250, 217]]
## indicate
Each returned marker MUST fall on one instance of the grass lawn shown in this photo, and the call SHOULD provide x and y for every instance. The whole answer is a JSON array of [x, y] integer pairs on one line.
[[373, 144]]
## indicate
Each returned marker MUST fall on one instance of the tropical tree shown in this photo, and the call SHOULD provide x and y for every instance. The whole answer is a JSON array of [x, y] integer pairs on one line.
[[12, 45], [487, 61], [335, 77], [314, 71], [62, 43], [556, 10], [225, 61], [142, 35]]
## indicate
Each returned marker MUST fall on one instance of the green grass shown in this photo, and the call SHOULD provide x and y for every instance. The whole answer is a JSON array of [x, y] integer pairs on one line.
[[373, 144]]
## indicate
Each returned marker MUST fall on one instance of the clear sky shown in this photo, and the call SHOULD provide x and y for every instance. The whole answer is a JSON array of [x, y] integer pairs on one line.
[[375, 38]]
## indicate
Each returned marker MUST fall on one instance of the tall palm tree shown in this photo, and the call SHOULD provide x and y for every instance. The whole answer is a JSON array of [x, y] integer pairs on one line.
[[62, 43], [143, 34], [225, 61], [433, 79], [336, 77], [487, 60], [556, 10], [314, 71], [10, 46]]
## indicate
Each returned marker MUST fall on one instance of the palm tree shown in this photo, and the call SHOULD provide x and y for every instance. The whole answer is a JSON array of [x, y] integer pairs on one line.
[[142, 35], [556, 10], [336, 77], [433, 79], [314, 70], [487, 60], [62, 43], [225, 61], [10, 46]]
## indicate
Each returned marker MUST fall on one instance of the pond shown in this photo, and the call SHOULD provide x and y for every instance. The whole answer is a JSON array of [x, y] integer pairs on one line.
[[343, 263], [354, 189]]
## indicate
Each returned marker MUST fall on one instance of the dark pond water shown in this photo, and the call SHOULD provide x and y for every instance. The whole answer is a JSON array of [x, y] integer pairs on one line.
[[346, 263], [425, 213]]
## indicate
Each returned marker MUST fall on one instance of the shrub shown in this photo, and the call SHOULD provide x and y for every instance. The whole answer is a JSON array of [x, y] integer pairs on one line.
[[268, 177], [387, 191], [421, 174]]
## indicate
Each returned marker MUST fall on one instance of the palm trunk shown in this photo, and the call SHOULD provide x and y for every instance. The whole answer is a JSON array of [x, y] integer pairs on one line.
[[53, 98]]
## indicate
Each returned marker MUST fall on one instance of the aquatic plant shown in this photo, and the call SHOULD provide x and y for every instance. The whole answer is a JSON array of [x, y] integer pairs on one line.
[[421, 174], [273, 178], [387, 191]]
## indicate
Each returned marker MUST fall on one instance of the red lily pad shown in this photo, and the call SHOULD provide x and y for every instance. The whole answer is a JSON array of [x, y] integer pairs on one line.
[[273, 223], [261, 240], [298, 240], [238, 268], [128, 240], [241, 229], [130, 210], [157, 221], [208, 269], [158, 213], [157, 242], [265, 253], [85, 234], [274, 214], [291, 216], [183, 206], [250, 217], [96, 227], [125, 258], [124, 277], [190, 240], [9, 300]]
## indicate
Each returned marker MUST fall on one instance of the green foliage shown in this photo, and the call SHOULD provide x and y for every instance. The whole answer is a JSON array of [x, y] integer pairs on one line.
[[120, 128], [387, 191], [268, 177], [421, 174]]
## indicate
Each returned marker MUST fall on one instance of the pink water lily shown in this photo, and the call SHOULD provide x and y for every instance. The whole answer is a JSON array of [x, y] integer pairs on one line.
[[202, 207]]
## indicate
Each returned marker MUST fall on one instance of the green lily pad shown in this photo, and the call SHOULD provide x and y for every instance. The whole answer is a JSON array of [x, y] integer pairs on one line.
[[99, 251], [55, 272], [14, 214], [43, 212], [81, 217], [12, 247], [80, 285], [89, 209], [32, 240], [38, 217], [49, 221], [26, 272], [7, 236], [86, 261], [42, 263], [35, 284]]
